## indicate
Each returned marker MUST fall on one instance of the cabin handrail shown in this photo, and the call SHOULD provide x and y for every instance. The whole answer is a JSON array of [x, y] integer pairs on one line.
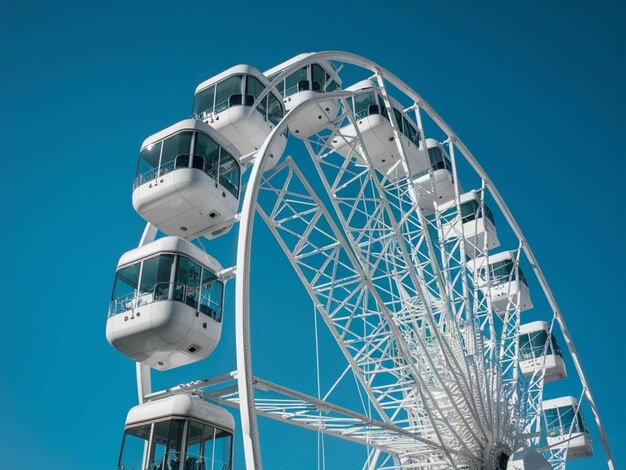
[[160, 291]]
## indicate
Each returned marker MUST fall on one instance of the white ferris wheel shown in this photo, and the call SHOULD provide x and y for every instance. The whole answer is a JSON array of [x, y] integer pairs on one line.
[[389, 223]]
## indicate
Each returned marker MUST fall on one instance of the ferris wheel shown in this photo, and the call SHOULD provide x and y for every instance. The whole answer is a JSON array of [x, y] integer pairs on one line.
[[411, 259]]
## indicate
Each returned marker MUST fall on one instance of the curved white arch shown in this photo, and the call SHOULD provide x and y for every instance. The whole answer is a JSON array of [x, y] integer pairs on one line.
[[242, 311]]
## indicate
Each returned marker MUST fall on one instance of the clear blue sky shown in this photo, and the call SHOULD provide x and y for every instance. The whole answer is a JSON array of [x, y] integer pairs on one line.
[[536, 89]]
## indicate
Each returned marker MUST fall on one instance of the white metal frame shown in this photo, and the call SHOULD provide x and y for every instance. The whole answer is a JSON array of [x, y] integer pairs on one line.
[[451, 395]]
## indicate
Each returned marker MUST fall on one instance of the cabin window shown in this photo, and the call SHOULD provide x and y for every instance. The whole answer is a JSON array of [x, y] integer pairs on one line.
[[222, 449], [254, 88], [504, 271], [438, 161], [410, 131], [188, 276], [211, 292], [207, 447], [176, 155], [275, 109], [398, 116], [559, 420], [318, 77], [148, 166], [155, 278], [204, 100], [207, 148], [365, 105], [124, 288], [173, 147], [225, 90], [133, 445], [470, 210], [229, 173], [280, 86], [292, 82], [532, 345]]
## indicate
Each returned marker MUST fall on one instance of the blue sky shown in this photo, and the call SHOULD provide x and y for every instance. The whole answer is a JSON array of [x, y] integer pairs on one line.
[[535, 89]]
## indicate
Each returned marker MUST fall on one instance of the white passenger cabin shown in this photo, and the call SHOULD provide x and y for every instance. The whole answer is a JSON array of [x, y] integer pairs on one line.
[[560, 416], [504, 283], [166, 306], [378, 141], [478, 230], [227, 103], [188, 180], [303, 84], [180, 432], [532, 343], [439, 189]]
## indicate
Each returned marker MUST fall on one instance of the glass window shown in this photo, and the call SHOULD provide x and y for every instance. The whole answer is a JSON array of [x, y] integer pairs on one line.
[[188, 274], [254, 87], [203, 101], [280, 86], [211, 292], [174, 444], [133, 445], [124, 289], [222, 450], [225, 89], [555, 346], [208, 433], [275, 110], [398, 115], [318, 77], [158, 447], [156, 276], [362, 105], [567, 418], [411, 132], [208, 148], [470, 210], [229, 173], [292, 81], [126, 281], [382, 107], [532, 345], [552, 421], [193, 456], [148, 163], [178, 144]]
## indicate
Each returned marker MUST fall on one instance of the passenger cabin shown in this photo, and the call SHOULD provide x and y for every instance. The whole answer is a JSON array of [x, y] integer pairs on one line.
[[231, 103], [478, 230], [439, 189], [378, 141], [504, 283], [166, 306], [303, 84], [560, 417], [180, 432], [534, 338], [187, 182]]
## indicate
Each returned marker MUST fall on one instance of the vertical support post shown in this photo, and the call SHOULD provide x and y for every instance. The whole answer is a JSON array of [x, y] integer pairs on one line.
[[143, 373]]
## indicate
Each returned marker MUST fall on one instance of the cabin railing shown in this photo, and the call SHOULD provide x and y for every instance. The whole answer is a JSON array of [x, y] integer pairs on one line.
[[179, 461], [198, 162], [161, 291], [195, 297]]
